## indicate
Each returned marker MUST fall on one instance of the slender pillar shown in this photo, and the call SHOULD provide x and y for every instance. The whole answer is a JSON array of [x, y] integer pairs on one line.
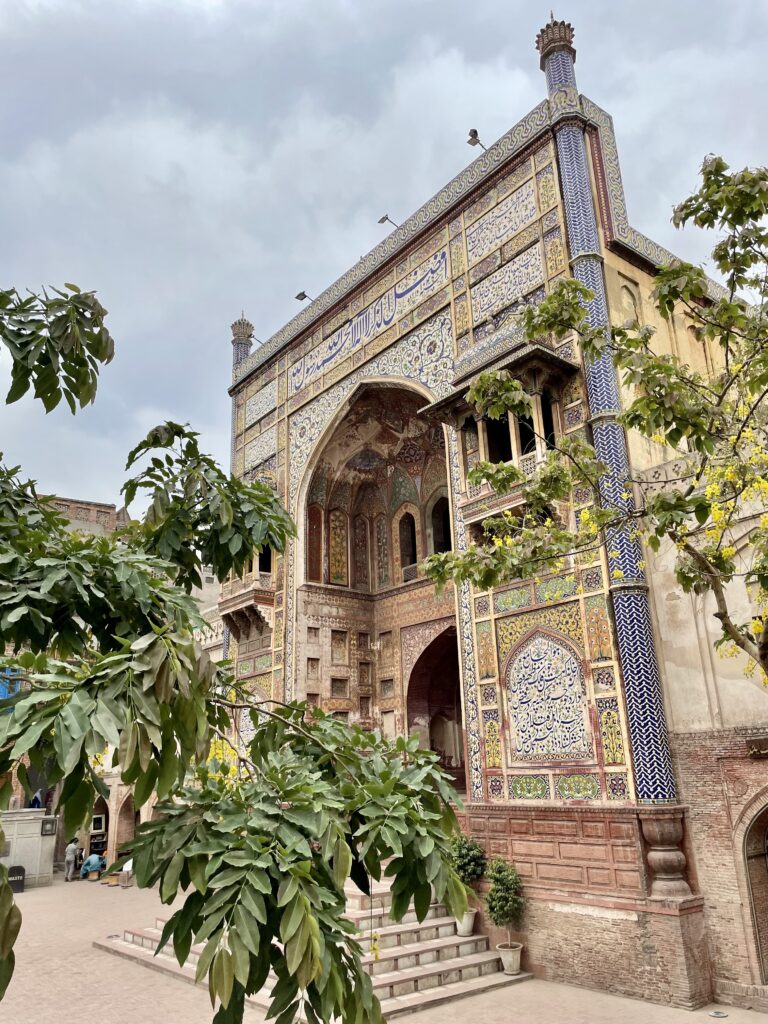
[[654, 779]]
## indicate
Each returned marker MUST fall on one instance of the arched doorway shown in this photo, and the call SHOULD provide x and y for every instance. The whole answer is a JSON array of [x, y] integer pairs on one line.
[[126, 824], [756, 854], [434, 703]]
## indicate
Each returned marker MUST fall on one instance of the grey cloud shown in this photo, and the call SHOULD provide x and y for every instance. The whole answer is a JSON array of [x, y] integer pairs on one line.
[[189, 159]]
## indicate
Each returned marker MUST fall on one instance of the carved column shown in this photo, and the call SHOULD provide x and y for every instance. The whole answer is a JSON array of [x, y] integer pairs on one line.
[[653, 775], [664, 833]]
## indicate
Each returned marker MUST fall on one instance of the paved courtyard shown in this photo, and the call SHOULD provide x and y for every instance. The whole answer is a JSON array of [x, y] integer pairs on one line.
[[60, 977]]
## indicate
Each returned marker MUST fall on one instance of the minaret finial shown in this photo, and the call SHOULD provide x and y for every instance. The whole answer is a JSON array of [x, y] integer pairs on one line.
[[556, 35]]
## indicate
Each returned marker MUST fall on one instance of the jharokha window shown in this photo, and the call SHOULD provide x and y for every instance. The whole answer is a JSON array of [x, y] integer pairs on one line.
[[523, 440]]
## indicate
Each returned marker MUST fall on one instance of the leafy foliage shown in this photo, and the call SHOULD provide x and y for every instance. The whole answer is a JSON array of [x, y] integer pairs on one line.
[[714, 508], [199, 515], [263, 836], [504, 901], [56, 342], [468, 858]]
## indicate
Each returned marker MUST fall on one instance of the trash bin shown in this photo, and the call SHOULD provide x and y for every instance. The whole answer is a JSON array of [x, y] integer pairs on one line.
[[16, 876]]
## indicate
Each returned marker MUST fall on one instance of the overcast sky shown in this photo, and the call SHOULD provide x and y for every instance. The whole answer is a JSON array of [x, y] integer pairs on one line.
[[189, 158]]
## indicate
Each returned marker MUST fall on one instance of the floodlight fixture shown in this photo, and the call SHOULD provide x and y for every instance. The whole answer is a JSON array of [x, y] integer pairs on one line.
[[385, 218], [474, 139], [302, 296]]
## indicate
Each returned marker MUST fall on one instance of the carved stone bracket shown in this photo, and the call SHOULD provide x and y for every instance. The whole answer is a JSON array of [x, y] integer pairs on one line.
[[663, 832]]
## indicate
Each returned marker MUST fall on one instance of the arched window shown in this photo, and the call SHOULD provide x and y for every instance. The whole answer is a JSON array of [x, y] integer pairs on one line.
[[548, 420], [441, 526], [338, 548], [629, 303], [527, 434], [265, 560], [315, 544], [407, 530], [499, 440], [360, 549]]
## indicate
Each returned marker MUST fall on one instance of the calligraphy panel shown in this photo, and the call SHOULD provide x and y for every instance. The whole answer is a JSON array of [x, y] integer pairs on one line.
[[505, 286], [503, 221], [547, 702], [373, 320]]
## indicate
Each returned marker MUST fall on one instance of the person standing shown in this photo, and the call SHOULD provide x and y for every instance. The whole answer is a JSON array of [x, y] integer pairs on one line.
[[70, 857]]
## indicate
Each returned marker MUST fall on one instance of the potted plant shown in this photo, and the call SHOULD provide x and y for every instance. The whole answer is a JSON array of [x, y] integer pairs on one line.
[[505, 903], [469, 861]]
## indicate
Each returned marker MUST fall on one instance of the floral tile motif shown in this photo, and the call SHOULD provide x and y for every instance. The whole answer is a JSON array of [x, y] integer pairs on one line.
[[488, 694], [495, 787], [546, 698], [556, 588], [529, 787], [592, 579], [554, 252], [563, 618], [598, 628], [486, 660], [584, 786], [610, 730], [509, 600], [482, 606], [574, 415], [618, 786], [492, 739], [547, 187], [604, 678]]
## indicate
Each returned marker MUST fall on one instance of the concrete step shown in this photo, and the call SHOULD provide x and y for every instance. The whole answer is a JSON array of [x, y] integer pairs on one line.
[[422, 954], [379, 919], [441, 986], [446, 993], [402, 955], [400, 935]]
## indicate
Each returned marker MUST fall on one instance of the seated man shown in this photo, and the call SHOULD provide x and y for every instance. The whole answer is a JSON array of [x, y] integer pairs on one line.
[[93, 863]]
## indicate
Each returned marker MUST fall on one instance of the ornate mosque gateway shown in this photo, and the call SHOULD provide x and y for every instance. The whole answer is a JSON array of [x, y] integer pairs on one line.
[[574, 742]]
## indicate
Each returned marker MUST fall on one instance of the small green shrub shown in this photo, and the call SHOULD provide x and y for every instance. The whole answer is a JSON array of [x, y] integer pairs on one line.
[[505, 901], [469, 859]]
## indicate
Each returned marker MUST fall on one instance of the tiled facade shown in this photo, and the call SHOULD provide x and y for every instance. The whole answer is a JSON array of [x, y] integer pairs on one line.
[[354, 413]]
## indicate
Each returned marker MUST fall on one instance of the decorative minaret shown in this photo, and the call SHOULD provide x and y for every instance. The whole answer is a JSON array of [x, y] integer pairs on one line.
[[654, 779], [242, 339]]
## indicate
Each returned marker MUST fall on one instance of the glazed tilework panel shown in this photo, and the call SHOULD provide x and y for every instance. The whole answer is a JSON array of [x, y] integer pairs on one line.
[[494, 228], [371, 321], [261, 448], [547, 702], [261, 403], [521, 275], [563, 618]]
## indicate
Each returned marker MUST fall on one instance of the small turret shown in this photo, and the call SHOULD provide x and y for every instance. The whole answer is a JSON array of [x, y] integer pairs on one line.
[[242, 339]]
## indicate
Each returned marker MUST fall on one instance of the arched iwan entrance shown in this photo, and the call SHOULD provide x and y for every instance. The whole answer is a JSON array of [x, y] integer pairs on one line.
[[756, 853], [434, 703]]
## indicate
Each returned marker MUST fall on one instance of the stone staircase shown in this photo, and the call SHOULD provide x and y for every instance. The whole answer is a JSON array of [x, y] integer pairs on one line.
[[418, 964]]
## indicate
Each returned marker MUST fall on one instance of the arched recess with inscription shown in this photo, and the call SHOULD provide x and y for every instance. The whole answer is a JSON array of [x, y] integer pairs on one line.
[[546, 701]]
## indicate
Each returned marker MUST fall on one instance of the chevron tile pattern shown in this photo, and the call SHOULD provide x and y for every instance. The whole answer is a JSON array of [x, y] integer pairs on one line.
[[651, 759]]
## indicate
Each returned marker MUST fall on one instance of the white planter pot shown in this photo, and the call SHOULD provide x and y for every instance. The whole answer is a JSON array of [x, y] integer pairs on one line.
[[466, 925], [510, 956]]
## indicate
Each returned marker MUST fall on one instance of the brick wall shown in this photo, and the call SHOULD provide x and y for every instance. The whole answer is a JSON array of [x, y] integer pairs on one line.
[[725, 791]]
